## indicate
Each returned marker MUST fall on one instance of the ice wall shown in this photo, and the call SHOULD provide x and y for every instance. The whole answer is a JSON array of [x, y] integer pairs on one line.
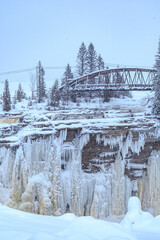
[[45, 176], [149, 186]]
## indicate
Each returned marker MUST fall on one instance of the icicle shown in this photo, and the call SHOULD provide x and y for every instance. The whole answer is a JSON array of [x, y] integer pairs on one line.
[[152, 184], [84, 139], [63, 135]]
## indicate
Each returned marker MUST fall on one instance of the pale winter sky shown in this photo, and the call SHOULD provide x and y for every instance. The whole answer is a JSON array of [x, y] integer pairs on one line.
[[123, 31]]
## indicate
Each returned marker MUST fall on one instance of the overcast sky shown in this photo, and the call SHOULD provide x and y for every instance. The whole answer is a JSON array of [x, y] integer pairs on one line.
[[122, 31]]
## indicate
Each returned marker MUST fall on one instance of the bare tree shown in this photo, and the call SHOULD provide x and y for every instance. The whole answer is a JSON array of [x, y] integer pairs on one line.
[[32, 85]]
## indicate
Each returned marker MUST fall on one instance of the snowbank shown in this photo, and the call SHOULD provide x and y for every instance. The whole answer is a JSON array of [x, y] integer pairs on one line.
[[17, 225], [143, 224]]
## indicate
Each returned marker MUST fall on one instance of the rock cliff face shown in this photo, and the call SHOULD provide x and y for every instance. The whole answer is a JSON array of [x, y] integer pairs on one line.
[[84, 166]]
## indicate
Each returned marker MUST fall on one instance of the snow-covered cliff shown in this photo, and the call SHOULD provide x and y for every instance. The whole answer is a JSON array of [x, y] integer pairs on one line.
[[85, 166]]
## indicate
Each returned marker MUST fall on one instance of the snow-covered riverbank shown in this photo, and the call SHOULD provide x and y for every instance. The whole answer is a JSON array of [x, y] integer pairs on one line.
[[17, 225]]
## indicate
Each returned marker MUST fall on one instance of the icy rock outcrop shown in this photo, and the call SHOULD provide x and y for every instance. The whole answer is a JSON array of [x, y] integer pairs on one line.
[[81, 172]]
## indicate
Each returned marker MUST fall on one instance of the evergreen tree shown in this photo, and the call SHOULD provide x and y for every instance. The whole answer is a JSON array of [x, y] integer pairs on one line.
[[91, 59], [55, 95], [41, 88], [20, 93], [82, 60], [6, 97], [100, 63], [15, 98], [156, 105], [43, 84], [67, 75]]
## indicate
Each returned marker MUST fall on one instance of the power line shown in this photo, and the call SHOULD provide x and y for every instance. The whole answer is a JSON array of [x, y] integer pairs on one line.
[[58, 67], [31, 69], [17, 71]]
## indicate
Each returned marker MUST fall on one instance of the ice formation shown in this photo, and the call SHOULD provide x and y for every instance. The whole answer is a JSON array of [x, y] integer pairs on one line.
[[50, 175], [135, 217], [149, 188]]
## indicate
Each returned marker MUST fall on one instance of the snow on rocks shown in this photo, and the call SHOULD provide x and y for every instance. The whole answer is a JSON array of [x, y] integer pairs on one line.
[[135, 217], [141, 223]]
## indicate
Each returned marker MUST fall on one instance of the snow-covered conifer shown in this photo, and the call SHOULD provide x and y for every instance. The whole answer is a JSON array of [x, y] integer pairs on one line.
[[15, 98], [43, 83], [91, 59], [41, 87], [6, 97], [82, 60], [20, 93], [67, 75], [156, 105], [100, 63], [55, 95]]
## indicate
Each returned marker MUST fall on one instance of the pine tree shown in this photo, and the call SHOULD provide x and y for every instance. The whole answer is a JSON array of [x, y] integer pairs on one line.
[[55, 95], [82, 60], [6, 97], [67, 93], [156, 105], [20, 93], [100, 63], [67, 75], [15, 98], [41, 88], [91, 59], [43, 84]]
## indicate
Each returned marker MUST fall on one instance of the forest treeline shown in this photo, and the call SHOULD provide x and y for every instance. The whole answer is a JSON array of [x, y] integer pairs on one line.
[[88, 61]]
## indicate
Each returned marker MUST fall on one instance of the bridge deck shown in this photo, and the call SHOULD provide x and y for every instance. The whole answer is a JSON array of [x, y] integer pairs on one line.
[[113, 87]]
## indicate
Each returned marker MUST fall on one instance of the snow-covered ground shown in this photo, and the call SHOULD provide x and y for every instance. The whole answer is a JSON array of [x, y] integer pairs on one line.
[[137, 225]]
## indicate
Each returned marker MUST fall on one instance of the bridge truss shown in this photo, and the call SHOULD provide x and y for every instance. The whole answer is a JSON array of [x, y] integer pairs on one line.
[[119, 79]]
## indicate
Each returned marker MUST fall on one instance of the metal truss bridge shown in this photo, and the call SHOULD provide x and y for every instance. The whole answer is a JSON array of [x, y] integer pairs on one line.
[[118, 79]]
